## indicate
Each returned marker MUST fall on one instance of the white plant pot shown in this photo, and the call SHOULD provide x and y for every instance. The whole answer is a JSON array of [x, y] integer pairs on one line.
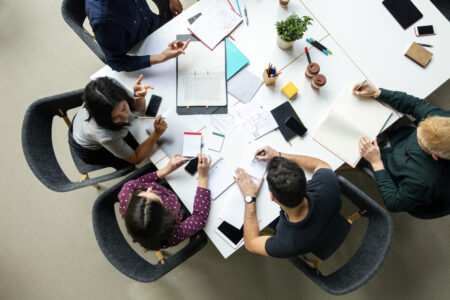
[[283, 44]]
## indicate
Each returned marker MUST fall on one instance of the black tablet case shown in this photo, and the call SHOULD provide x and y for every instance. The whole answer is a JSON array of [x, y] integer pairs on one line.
[[199, 110], [404, 11], [281, 113], [443, 6]]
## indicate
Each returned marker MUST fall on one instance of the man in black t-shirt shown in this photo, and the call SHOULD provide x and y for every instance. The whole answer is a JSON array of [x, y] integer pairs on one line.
[[307, 209]]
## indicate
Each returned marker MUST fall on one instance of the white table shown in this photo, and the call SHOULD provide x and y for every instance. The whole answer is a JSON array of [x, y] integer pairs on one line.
[[376, 43], [312, 106]]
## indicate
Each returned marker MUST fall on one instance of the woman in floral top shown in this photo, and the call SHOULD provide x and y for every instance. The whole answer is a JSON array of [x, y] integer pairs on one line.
[[152, 212]]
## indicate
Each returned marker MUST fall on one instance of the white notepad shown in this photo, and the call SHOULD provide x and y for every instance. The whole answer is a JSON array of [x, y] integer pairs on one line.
[[215, 23], [192, 144], [201, 78], [351, 118], [253, 167], [220, 177]]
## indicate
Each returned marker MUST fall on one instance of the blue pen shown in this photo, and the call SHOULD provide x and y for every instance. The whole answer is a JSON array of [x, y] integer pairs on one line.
[[239, 8]]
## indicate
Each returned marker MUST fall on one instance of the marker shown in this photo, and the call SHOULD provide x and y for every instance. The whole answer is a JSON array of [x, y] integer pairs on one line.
[[425, 45], [318, 46], [328, 50], [307, 55]]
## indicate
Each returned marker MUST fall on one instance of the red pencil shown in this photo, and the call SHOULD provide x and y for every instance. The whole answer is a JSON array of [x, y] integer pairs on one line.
[[307, 54]]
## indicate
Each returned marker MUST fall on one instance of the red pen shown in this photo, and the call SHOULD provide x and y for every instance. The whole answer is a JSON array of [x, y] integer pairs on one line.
[[307, 55]]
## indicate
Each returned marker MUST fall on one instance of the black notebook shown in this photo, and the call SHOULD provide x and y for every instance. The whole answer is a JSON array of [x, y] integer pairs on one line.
[[288, 121], [404, 11], [443, 6]]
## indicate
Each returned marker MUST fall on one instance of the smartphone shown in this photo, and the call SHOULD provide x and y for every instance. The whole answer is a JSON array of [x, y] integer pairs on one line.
[[191, 167], [232, 233], [424, 30], [153, 106], [296, 126]]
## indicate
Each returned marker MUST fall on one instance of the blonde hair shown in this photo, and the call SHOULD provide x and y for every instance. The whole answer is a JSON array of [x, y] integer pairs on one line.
[[433, 134]]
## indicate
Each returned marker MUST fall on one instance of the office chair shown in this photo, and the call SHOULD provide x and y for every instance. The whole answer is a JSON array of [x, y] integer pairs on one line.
[[369, 257], [73, 12], [117, 250], [37, 144]]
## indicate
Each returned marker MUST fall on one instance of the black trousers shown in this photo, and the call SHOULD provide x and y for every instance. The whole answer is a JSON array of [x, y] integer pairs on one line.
[[101, 156]]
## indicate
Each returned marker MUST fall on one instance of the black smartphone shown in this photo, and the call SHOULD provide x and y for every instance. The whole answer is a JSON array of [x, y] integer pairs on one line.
[[191, 167], [232, 233], [153, 106], [424, 30], [296, 126]]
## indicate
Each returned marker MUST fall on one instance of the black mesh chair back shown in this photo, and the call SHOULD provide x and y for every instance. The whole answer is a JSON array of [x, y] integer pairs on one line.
[[117, 250], [369, 257], [74, 13], [37, 144]]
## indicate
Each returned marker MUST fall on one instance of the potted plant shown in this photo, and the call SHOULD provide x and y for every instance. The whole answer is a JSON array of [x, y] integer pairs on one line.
[[291, 29]]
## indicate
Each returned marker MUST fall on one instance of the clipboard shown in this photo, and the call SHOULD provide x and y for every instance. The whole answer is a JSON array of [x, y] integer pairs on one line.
[[199, 110]]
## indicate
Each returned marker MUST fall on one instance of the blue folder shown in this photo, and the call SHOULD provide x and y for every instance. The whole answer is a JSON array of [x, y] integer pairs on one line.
[[235, 59]]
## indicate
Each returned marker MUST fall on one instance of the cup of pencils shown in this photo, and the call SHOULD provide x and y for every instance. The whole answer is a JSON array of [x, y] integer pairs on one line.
[[270, 75]]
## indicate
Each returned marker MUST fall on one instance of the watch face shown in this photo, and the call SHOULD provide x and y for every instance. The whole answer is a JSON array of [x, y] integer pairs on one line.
[[249, 199]]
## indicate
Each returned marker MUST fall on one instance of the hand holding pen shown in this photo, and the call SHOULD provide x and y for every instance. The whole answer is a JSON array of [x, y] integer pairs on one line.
[[365, 89]]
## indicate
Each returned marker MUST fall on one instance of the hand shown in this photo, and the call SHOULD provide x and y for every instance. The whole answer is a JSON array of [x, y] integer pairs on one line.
[[175, 7], [160, 125], [204, 162], [371, 152], [175, 49], [139, 91], [175, 162], [267, 155], [246, 184], [367, 90]]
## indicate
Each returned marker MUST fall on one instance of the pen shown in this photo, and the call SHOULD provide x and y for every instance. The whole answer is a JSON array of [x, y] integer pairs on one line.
[[361, 84], [425, 45], [145, 117], [328, 50], [262, 152], [245, 13], [237, 1], [307, 55]]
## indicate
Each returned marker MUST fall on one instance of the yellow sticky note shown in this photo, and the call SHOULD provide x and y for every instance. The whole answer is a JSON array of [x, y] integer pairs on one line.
[[289, 90]]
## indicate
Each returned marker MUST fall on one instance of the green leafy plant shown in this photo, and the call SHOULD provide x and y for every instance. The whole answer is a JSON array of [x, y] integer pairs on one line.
[[293, 27]]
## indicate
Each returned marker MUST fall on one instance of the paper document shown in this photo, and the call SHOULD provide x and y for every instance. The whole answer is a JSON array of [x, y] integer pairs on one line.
[[171, 142], [234, 208], [350, 119], [201, 77], [244, 85], [220, 177], [256, 121], [192, 144], [253, 167], [222, 123], [215, 141], [215, 23]]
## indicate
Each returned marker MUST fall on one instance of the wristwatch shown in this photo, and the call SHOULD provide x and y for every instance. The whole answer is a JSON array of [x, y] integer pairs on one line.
[[249, 199]]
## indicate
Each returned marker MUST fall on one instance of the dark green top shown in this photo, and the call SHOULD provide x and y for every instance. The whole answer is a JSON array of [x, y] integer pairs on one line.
[[412, 179]]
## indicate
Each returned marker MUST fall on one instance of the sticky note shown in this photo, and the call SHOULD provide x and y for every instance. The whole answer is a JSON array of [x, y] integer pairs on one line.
[[215, 141], [289, 90]]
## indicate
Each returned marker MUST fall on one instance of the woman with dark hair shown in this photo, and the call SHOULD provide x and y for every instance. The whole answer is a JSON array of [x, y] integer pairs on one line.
[[152, 212], [99, 132]]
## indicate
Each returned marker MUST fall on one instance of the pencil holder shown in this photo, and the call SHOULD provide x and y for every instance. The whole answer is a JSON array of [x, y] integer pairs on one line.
[[269, 80]]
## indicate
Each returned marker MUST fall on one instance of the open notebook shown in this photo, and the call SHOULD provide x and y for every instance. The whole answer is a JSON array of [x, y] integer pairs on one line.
[[351, 118]]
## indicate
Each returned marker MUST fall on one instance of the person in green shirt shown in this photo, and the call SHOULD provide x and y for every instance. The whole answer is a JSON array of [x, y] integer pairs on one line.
[[412, 171]]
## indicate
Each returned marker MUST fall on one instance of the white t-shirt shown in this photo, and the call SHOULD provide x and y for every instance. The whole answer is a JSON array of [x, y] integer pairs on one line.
[[90, 135]]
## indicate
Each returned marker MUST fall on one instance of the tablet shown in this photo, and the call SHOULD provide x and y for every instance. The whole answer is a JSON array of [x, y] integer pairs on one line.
[[404, 11], [233, 236]]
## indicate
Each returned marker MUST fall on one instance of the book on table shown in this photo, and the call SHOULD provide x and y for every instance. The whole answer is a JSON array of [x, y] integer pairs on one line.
[[351, 118]]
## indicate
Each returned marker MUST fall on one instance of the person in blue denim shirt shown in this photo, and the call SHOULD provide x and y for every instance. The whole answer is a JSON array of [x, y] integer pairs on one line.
[[118, 25]]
